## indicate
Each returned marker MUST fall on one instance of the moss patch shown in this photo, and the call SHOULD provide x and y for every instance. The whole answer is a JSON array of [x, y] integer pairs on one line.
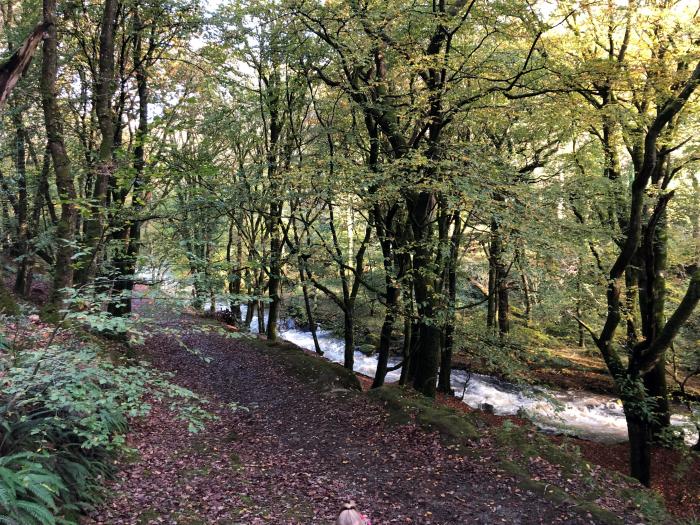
[[519, 445], [147, 516], [528, 444], [558, 496], [8, 305], [405, 405], [311, 369]]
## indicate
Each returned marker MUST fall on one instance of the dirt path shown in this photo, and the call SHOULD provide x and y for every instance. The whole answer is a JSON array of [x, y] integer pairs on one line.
[[297, 454]]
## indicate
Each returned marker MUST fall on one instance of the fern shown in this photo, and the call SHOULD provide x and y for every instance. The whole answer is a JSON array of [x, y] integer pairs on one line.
[[6, 476], [40, 514], [44, 494], [8, 494], [72, 405]]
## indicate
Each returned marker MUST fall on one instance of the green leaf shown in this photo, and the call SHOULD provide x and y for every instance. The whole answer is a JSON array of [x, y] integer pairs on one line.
[[7, 496], [39, 513]]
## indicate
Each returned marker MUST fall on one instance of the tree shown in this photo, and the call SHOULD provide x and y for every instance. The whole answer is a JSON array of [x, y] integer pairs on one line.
[[657, 103], [65, 231]]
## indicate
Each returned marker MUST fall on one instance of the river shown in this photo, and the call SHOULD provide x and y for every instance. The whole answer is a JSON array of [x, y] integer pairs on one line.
[[577, 413]]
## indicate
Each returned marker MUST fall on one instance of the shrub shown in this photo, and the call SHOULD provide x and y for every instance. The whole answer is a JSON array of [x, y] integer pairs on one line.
[[64, 410]]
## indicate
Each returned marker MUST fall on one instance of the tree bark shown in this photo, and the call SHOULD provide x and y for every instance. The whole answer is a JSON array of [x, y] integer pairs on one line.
[[26, 268], [445, 379], [392, 300], [126, 259], [22, 245], [655, 265], [408, 370], [234, 275], [640, 436], [275, 277], [492, 304], [421, 209], [95, 224], [304, 277], [65, 227], [500, 276], [14, 67], [383, 222]]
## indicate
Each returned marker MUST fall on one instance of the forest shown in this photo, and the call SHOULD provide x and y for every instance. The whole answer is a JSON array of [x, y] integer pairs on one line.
[[262, 258]]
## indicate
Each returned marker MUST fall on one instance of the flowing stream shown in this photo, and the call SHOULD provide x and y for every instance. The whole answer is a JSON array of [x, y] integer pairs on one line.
[[578, 413]]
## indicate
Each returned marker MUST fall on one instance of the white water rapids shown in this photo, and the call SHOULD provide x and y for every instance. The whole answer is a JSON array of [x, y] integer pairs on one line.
[[586, 415]]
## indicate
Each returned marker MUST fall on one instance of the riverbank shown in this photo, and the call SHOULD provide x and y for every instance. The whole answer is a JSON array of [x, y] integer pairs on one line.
[[575, 412], [537, 356], [676, 474], [292, 444]]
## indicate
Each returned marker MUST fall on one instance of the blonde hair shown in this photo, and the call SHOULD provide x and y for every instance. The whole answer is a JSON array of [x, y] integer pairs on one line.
[[349, 515]]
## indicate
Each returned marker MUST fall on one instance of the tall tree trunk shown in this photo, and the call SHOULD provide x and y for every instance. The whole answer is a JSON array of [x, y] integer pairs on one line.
[[260, 303], [503, 300], [640, 437], [304, 277], [309, 312], [527, 297], [500, 284], [383, 224], [393, 294], [250, 309], [349, 338], [631, 284], [27, 265], [95, 224], [445, 380], [126, 258], [5, 229], [655, 265], [65, 227], [579, 304], [22, 205], [644, 357], [492, 304], [411, 369], [275, 280], [406, 350], [429, 343], [235, 276], [527, 294]]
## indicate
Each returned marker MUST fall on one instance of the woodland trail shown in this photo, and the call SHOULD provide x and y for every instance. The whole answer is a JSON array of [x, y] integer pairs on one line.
[[294, 455]]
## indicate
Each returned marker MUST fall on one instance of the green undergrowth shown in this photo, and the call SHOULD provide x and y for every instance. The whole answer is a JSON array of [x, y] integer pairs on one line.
[[8, 305], [65, 404]]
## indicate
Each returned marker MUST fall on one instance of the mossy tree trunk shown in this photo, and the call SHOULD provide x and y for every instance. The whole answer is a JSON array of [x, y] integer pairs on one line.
[[95, 224], [445, 379], [65, 227], [646, 355]]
